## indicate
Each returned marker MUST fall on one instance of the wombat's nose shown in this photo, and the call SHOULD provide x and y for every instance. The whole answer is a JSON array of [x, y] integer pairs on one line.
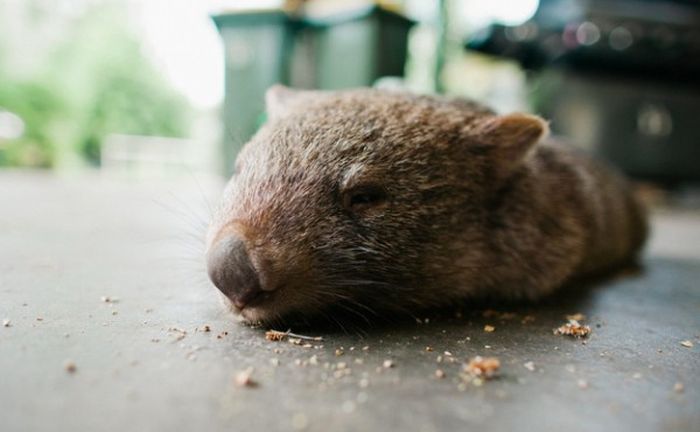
[[231, 270]]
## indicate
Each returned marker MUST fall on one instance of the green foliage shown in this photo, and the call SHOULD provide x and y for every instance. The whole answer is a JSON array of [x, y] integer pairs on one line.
[[96, 81], [38, 106]]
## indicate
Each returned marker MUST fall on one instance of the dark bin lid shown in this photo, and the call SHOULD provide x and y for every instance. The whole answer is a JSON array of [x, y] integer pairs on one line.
[[250, 17], [345, 15], [351, 14]]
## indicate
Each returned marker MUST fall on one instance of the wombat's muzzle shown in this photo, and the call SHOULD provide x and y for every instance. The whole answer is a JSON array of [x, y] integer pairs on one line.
[[231, 270]]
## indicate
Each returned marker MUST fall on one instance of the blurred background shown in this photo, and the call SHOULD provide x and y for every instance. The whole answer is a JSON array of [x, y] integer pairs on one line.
[[169, 87]]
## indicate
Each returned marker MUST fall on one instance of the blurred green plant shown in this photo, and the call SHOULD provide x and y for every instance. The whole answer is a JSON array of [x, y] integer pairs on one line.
[[97, 80]]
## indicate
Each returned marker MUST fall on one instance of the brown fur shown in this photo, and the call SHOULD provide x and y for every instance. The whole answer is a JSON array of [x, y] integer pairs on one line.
[[475, 205]]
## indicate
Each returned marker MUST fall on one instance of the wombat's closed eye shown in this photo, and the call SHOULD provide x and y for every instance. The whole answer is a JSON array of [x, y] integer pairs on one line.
[[375, 201]]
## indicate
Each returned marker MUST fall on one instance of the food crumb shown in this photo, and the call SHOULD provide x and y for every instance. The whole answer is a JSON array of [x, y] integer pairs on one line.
[[428, 348], [6, 323], [299, 421], [244, 378], [70, 366], [582, 384], [687, 343], [348, 407], [574, 329], [275, 336], [388, 364], [339, 352], [206, 329], [578, 316], [439, 373], [678, 387], [489, 328], [529, 366], [486, 367]]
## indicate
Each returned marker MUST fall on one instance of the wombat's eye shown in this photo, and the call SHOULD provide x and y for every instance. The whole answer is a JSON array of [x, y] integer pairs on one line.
[[362, 198]]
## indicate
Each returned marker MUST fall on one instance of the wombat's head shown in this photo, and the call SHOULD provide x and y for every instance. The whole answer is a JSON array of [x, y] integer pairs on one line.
[[364, 199]]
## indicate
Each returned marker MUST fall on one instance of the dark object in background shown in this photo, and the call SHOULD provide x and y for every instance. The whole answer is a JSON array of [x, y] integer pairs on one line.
[[620, 77], [350, 48]]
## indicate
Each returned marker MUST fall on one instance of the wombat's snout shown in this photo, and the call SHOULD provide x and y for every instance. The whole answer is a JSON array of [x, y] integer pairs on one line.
[[232, 271]]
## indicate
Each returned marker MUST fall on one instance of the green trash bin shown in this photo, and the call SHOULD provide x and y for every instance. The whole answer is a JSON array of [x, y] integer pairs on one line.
[[353, 48], [350, 49], [255, 45]]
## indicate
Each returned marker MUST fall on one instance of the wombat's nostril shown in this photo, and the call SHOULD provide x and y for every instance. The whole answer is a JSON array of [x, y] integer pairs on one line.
[[231, 270]]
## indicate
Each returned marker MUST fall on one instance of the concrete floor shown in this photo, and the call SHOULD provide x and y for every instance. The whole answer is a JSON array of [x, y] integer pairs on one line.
[[68, 242]]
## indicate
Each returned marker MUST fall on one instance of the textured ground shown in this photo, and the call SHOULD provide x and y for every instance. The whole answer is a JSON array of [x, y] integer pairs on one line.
[[145, 362]]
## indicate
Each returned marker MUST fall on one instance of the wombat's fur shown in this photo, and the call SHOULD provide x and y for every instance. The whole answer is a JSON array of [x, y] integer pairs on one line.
[[383, 201]]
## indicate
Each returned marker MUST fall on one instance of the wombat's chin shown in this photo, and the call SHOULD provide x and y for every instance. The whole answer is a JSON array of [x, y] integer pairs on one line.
[[260, 314]]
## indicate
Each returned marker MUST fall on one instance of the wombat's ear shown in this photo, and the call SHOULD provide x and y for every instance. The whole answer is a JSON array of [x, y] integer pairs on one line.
[[510, 138], [279, 98]]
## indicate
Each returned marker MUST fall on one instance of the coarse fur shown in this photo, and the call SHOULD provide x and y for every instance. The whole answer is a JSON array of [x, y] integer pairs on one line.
[[471, 205]]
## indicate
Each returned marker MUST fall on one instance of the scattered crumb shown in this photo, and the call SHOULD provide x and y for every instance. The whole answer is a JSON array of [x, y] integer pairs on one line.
[[489, 328], [529, 366], [637, 375], [576, 317], [114, 312], [574, 329], [275, 362], [527, 319], [339, 352], [489, 313], [206, 329], [39, 319], [70, 366], [678, 387], [388, 364], [582, 384], [313, 360], [299, 421], [108, 299], [365, 348], [348, 407], [428, 348], [276, 335], [439, 373], [486, 367], [179, 333], [447, 354], [6, 323], [244, 379], [687, 343], [363, 383]]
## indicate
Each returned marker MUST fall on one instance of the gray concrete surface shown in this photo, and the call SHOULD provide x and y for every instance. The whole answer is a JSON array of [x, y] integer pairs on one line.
[[67, 242]]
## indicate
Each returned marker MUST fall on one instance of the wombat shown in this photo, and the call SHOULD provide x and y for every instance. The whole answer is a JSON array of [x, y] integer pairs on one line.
[[377, 201]]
